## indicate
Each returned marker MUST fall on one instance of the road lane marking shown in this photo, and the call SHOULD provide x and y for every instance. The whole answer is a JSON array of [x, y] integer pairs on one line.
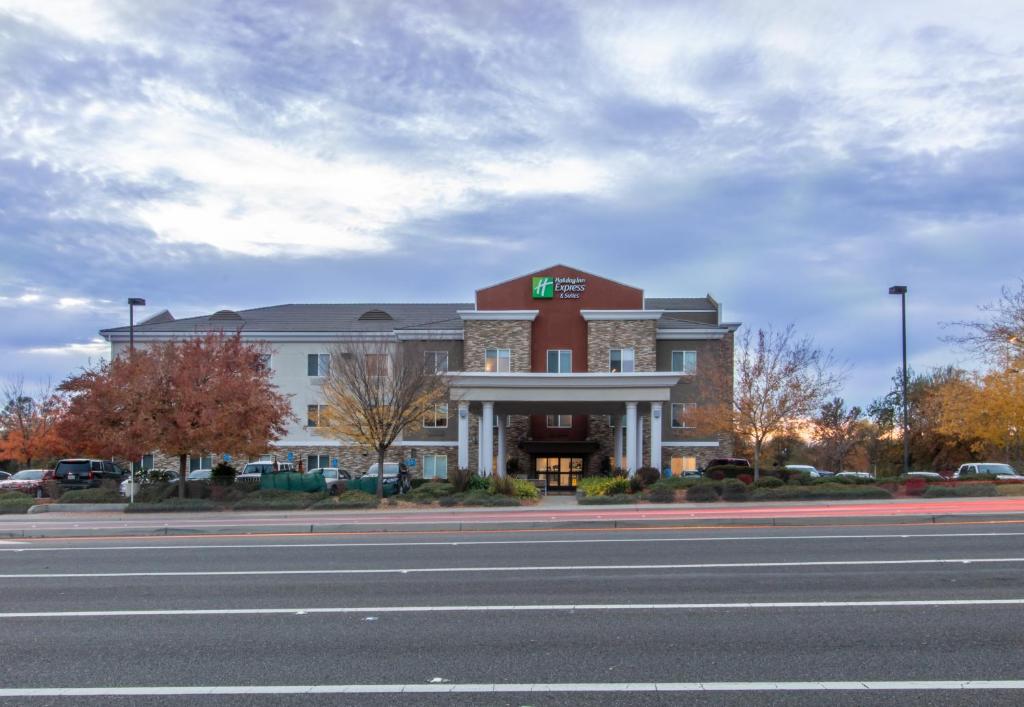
[[845, 686], [518, 568], [462, 543], [473, 608]]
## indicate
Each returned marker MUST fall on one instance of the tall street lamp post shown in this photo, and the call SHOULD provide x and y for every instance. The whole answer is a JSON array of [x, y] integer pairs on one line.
[[133, 302], [901, 290]]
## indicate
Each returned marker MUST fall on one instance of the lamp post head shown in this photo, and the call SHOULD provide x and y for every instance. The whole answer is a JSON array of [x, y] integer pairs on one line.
[[898, 290], [136, 302]]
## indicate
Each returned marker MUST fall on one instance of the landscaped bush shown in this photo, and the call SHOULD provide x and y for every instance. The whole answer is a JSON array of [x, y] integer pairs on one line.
[[502, 485], [223, 474], [349, 499], [227, 494], [717, 474], [1010, 489], [735, 490], [483, 498], [430, 491], [603, 485], [15, 502], [92, 496], [466, 480], [615, 499], [647, 475], [961, 491], [887, 480], [728, 471], [525, 489], [823, 492], [769, 482], [656, 493], [679, 482], [174, 504], [702, 493], [746, 478], [155, 492], [416, 483], [277, 500]]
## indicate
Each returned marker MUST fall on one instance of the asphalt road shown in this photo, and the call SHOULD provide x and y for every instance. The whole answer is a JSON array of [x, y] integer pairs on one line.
[[621, 617]]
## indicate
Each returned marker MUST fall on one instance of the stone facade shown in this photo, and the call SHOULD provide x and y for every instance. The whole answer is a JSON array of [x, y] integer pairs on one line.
[[482, 334], [637, 334]]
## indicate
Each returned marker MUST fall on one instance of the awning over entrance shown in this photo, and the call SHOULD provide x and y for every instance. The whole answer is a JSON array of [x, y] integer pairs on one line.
[[623, 395]]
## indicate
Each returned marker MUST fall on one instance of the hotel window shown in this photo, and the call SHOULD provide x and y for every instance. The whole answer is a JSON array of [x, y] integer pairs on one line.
[[621, 361], [315, 415], [559, 361], [200, 461], [684, 362], [317, 365], [680, 412], [437, 361], [681, 464], [144, 464], [436, 416], [435, 466], [318, 461], [498, 360], [559, 421]]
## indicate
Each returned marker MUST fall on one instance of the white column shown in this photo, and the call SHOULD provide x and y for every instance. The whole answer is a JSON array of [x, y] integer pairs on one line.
[[656, 436], [639, 441], [463, 435], [487, 441], [631, 438], [617, 431], [501, 446], [479, 445]]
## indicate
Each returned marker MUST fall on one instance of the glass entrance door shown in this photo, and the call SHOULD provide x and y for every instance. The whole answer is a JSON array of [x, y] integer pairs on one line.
[[562, 473]]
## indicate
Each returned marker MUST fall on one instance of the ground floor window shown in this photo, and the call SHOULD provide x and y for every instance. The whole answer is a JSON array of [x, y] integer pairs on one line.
[[560, 472], [201, 461], [144, 464], [681, 464], [318, 461], [435, 466]]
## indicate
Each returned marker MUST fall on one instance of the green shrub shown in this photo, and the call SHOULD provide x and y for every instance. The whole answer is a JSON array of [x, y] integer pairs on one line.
[[155, 492], [940, 492], [431, 491], [615, 499], [349, 499], [657, 493], [223, 474], [483, 498], [975, 490], [525, 489], [702, 493], [769, 482], [416, 483], [466, 480], [735, 490], [277, 500], [14, 502], [820, 491], [92, 496], [647, 475], [887, 480], [679, 482], [227, 494], [174, 504], [502, 485], [603, 485]]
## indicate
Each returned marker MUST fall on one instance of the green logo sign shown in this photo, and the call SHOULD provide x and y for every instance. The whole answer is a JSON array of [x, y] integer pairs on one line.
[[543, 287]]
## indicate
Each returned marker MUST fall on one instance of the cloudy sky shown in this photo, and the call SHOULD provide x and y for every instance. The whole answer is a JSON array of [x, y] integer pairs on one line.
[[792, 159]]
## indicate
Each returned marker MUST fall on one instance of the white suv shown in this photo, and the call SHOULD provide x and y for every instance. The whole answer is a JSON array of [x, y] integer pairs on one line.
[[1003, 472]]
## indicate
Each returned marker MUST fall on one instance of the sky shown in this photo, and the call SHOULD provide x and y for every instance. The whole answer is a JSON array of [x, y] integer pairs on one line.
[[792, 159]]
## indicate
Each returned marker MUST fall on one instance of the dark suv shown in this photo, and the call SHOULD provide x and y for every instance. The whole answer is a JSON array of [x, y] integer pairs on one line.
[[86, 473]]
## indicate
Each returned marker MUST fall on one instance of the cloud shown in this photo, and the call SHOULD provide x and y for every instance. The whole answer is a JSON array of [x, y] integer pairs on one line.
[[94, 348]]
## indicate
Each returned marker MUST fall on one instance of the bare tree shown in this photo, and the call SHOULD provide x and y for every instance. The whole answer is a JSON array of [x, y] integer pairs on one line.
[[372, 391], [998, 336], [780, 381], [838, 431]]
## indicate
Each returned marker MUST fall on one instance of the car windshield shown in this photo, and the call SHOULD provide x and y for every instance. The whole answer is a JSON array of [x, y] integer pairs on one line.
[[199, 474], [390, 469], [258, 469], [28, 475], [996, 469], [329, 473]]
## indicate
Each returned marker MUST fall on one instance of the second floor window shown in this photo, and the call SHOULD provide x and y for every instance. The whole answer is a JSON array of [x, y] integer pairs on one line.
[[437, 416], [559, 421], [314, 415], [437, 361], [317, 365], [498, 360], [682, 415], [684, 362], [559, 361], [376, 364], [621, 361]]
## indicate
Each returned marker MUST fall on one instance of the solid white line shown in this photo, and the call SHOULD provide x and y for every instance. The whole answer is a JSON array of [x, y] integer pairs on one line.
[[520, 568], [448, 543], [444, 688], [509, 607]]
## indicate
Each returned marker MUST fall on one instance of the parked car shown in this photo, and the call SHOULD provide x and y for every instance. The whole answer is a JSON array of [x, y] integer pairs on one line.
[[853, 474], [727, 461], [334, 478], [804, 468], [4, 476], [930, 475], [30, 481], [254, 470], [149, 477], [86, 473], [395, 475], [199, 475], [825, 474], [1003, 472]]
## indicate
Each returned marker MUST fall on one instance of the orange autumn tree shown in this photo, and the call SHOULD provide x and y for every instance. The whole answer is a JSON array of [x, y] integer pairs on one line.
[[374, 390], [986, 411], [29, 425]]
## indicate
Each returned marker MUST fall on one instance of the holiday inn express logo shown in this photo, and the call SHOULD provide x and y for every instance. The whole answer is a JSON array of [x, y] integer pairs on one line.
[[543, 287]]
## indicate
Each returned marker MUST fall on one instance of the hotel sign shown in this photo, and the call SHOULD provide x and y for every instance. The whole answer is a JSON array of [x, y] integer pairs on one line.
[[565, 287]]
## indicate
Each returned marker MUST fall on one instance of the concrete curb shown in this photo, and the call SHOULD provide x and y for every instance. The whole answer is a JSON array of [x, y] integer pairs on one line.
[[492, 525], [79, 508]]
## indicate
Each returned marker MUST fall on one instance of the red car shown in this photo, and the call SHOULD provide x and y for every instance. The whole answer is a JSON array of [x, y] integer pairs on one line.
[[28, 481]]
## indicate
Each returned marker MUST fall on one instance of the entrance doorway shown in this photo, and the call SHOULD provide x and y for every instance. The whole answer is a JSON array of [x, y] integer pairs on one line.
[[562, 473]]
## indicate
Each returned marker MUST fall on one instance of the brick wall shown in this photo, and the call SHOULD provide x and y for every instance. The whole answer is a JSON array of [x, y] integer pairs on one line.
[[637, 334], [502, 334]]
